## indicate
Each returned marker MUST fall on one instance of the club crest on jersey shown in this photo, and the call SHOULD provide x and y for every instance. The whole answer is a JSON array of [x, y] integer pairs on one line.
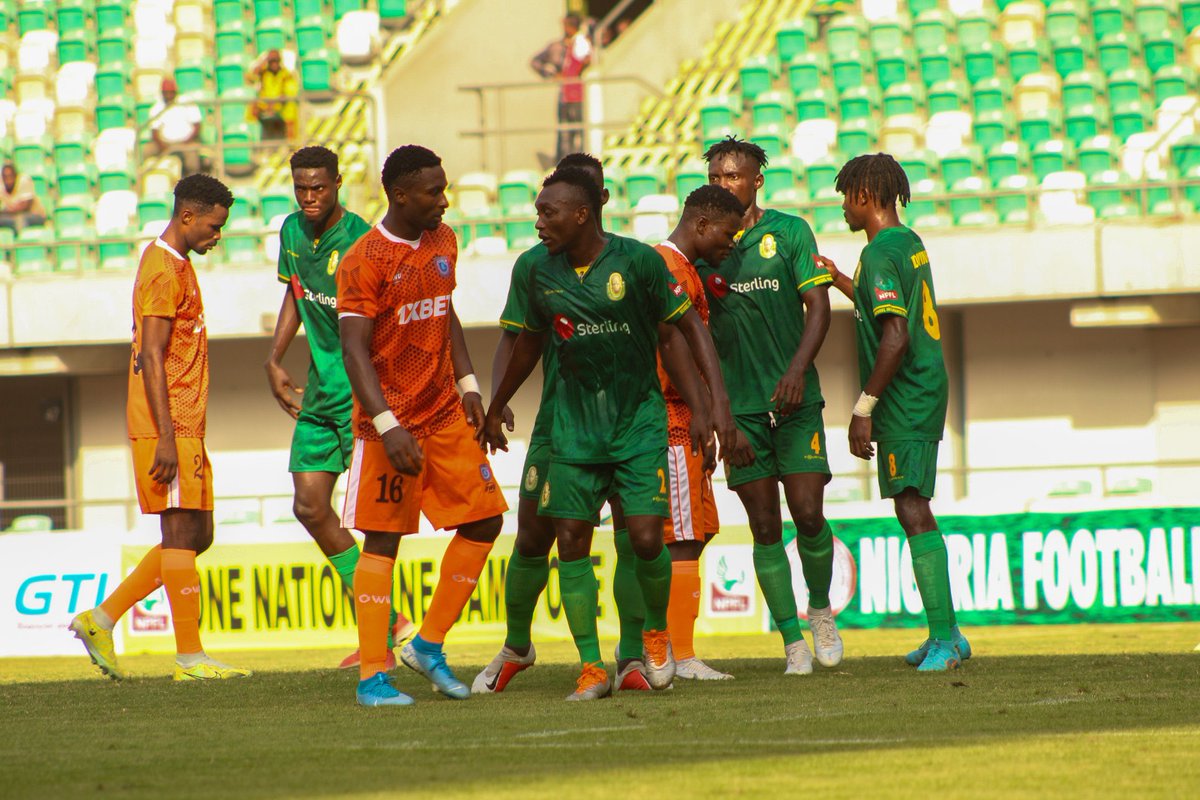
[[546, 494], [485, 472], [766, 248], [531, 478], [717, 286], [443, 265], [563, 326], [332, 266], [615, 289]]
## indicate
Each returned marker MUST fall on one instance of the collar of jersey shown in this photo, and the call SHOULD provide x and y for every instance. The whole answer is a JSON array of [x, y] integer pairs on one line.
[[753, 234], [591, 267], [391, 237], [315, 241], [159, 241]]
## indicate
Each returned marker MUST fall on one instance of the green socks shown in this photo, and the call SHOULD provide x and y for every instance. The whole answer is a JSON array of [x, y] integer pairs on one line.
[[816, 558], [931, 568], [345, 563], [524, 581], [654, 575], [775, 579], [627, 593], [580, 596]]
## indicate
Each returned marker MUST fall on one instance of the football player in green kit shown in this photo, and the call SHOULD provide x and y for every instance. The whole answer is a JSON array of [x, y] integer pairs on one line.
[[312, 242], [904, 387], [769, 313]]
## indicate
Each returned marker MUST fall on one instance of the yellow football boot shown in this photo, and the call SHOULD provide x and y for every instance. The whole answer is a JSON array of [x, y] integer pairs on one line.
[[98, 642]]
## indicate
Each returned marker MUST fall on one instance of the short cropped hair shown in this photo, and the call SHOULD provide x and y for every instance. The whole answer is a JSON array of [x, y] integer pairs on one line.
[[202, 193], [406, 161], [712, 200], [315, 157], [583, 182]]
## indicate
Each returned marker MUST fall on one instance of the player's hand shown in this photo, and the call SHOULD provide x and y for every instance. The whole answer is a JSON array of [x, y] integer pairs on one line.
[[700, 431], [736, 450], [860, 437], [285, 391], [789, 392], [166, 460], [828, 265], [492, 436], [506, 415], [403, 452], [472, 405]]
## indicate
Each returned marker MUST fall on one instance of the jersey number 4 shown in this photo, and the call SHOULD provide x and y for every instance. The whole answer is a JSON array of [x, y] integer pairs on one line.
[[929, 312]]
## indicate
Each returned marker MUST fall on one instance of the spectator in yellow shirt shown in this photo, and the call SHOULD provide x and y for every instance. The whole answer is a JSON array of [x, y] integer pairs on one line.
[[276, 107]]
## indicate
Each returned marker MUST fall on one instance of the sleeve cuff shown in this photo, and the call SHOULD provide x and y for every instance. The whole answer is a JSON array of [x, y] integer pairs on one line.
[[889, 308]]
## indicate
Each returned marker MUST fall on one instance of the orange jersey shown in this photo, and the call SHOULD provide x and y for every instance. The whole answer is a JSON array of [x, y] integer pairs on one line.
[[684, 272], [166, 287], [406, 290]]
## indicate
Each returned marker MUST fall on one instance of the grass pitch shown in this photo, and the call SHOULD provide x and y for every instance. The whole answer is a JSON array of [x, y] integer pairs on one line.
[[1081, 711]]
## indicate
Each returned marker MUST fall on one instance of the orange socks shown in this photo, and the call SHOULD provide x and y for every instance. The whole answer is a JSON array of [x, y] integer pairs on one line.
[[461, 565], [183, 590], [684, 607], [145, 578], [373, 605]]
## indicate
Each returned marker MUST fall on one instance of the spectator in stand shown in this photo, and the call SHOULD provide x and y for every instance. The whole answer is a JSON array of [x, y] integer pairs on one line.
[[19, 203], [565, 60], [175, 128], [276, 107]]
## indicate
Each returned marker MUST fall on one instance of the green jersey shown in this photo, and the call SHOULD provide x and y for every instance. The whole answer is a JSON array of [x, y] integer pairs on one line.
[[756, 310], [309, 266], [512, 318], [603, 326], [893, 277]]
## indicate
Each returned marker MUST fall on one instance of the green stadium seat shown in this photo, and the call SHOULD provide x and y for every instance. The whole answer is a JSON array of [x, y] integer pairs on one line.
[[241, 242], [70, 151], [193, 77], [771, 106], [246, 204], [72, 15], [268, 9], [919, 165], [903, 98], [806, 71], [710, 138], [693, 174], [77, 179], [939, 64], [237, 151], [112, 178], [850, 69], [112, 47], [311, 34], [316, 72], [1192, 190], [845, 33], [31, 253], [111, 15], [1118, 50], [993, 127], [967, 201], [889, 33], [916, 7], [233, 39], [1064, 21], [773, 138], [1161, 49], [782, 174], [1152, 16], [923, 205], [827, 212], [342, 7], [758, 73], [520, 187], [976, 28], [1128, 85], [231, 73], [814, 104], [1022, 22], [114, 112], [966, 162], [1027, 58], [75, 45], [1012, 199], [234, 102], [229, 11], [718, 111], [73, 253], [1086, 121], [1110, 16], [821, 174], [1005, 160], [392, 12], [1097, 154], [792, 38], [271, 34], [1072, 55], [857, 136], [931, 30], [33, 15], [947, 95], [893, 67], [991, 94], [1039, 125], [519, 230], [1185, 153], [1130, 118], [981, 62], [278, 201], [789, 199], [1173, 80], [1052, 155], [860, 101], [641, 182], [1189, 14], [1083, 86], [154, 208]]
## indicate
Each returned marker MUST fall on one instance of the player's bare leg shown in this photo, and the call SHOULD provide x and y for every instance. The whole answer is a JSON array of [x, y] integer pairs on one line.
[[805, 494]]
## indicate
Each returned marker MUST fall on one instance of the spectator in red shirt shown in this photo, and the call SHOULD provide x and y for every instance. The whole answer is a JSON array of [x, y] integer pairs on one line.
[[565, 60]]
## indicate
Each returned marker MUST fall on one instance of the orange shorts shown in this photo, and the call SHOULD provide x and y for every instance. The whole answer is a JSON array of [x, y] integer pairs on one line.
[[456, 485], [693, 507], [192, 487]]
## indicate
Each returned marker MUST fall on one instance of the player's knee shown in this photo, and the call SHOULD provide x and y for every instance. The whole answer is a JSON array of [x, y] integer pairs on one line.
[[485, 530], [534, 541], [766, 528], [309, 514], [809, 520], [646, 544]]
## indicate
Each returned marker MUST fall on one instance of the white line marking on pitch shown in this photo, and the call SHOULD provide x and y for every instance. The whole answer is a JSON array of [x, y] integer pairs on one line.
[[569, 731]]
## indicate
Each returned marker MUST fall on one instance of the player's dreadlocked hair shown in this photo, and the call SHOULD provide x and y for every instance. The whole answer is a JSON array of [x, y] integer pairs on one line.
[[582, 180], [315, 157], [405, 161], [733, 146], [712, 200], [201, 192], [878, 175]]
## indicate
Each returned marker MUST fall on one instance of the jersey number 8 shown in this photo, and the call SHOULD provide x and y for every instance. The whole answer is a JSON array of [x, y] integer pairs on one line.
[[929, 313]]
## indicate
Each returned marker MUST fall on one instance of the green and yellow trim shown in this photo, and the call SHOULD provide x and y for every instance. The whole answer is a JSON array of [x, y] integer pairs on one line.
[[891, 308], [816, 280], [679, 312]]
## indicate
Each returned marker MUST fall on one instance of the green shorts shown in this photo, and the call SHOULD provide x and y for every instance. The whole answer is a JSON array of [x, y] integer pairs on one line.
[[905, 464], [537, 465], [321, 445], [578, 491], [783, 445]]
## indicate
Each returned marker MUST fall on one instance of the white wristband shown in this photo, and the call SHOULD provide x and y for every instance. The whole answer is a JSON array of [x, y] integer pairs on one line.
[[468, 385], [385, 421], [865, 405]]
